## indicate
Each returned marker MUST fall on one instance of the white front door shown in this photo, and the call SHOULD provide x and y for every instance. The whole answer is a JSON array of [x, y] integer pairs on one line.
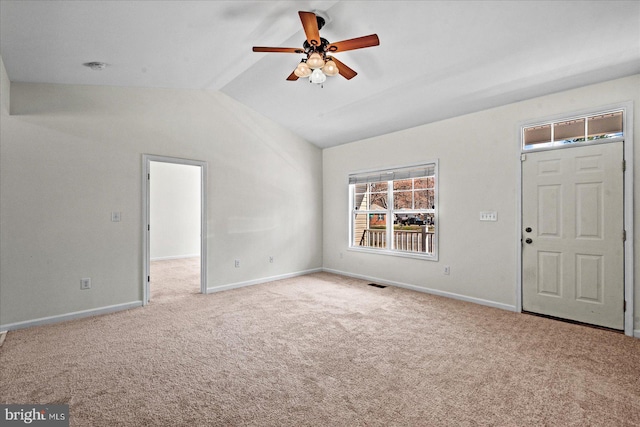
[[573, 248]]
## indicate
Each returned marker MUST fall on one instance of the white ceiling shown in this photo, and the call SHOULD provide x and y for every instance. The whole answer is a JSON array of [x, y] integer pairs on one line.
[[436, 59]]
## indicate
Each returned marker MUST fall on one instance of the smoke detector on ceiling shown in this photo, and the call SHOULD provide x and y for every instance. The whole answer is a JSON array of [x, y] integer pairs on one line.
[[95, 66]]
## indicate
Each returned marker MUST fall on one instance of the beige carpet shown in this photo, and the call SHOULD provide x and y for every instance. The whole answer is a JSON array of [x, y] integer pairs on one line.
[[175, 278], [323, 350]]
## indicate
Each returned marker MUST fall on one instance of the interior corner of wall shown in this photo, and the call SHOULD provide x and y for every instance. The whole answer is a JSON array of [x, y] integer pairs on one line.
[[5, 89]]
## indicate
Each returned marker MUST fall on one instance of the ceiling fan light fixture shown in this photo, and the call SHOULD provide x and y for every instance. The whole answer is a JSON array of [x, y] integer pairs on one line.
[[302, 70], [317, 76], [316, 49], [315, 61], [330, 68]]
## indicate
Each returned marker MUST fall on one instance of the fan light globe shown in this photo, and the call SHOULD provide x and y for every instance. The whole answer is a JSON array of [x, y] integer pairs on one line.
[[330, 68], [315, 60], [302, 70], [317, 76]]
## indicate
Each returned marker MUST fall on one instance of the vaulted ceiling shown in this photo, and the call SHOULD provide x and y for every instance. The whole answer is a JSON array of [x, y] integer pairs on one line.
[[436, 59]]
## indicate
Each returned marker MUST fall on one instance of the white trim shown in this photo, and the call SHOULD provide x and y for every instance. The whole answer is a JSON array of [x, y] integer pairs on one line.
[[422, 289], [629, 268], [391, 252], [71, 316], [262, 280], [390, 168], [146, 215], [575, 144], [166, 258], [518, 240]]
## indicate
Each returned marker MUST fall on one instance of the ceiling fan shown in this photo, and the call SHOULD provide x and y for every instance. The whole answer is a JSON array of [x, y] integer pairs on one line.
[[317, 64]]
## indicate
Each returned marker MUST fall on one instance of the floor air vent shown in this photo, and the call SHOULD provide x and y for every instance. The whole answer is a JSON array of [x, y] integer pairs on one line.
[[375, 285]]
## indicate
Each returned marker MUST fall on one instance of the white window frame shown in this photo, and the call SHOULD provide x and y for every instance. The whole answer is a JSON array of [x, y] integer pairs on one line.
[[389, 212]]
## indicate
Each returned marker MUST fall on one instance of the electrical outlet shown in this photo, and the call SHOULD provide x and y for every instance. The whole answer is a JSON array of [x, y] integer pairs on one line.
[[116, 216], [447, 270], [85, 283], [237, 263], [271, 259]]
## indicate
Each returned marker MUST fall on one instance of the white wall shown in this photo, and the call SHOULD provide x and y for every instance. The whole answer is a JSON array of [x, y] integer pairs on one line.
[[175, 211], [70, 155], [479, 157]]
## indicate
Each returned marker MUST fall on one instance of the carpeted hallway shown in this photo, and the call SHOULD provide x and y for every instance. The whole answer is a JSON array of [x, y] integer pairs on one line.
[[322, 350], [174, 278]]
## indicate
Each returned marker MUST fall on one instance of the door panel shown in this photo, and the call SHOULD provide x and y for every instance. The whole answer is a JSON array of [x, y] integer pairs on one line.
[[550, 210], [573, 257], [550, 273]]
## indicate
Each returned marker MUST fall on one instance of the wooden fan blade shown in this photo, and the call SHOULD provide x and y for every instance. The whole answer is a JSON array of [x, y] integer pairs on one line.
[[310, 25], [292, 77], [278, 49], [357, 43], [344, 71]]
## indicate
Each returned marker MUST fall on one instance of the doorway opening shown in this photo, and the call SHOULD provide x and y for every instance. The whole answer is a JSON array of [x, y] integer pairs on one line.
[[576, 211], [174, 227]]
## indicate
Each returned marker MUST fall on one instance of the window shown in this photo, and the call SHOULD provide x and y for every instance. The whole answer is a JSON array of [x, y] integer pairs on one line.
[[571, 131], [394, 211]]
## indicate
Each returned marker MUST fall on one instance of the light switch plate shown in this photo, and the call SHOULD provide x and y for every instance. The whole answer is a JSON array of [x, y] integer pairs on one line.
[[489, 216], [115, 216]]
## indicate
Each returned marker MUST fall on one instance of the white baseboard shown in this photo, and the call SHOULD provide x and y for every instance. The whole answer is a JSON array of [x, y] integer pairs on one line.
[[426, 290], [134, 304], [70, 316], [262, 280], [165, 258]]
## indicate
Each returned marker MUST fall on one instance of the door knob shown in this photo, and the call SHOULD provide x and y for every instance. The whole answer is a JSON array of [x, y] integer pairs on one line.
[[529, 241], [528, 229]]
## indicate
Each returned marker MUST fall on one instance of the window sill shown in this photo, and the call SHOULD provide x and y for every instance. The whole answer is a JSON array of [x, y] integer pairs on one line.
[[401, 254]]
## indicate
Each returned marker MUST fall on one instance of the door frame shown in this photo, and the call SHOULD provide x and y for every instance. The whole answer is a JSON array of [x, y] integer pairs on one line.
[[146, 218], [628, 211]]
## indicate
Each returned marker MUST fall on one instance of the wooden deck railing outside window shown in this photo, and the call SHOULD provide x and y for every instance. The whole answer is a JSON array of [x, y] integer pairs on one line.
[[419, 240]]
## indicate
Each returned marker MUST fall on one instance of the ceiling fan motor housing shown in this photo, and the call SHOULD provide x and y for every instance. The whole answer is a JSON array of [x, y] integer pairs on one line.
[[321, 49]]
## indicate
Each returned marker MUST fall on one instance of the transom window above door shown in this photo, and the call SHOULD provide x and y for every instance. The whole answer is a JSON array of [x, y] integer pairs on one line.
[[576, 130]]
